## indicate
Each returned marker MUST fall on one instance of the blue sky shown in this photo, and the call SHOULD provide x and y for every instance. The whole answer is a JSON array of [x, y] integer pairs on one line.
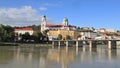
[[82, 13]]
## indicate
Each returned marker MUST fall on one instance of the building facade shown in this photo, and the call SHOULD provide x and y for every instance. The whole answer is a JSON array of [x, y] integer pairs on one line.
[[53, 34], [19, 31], [54, 30]]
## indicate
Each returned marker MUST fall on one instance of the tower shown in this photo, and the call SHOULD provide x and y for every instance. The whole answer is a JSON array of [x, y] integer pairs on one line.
[[65, 22], [43, 23]]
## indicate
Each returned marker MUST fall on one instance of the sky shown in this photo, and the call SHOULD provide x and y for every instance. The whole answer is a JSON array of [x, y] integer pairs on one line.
[[82, 13]]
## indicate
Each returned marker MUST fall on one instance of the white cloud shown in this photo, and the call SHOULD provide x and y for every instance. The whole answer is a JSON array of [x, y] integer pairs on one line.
[[43, 8], [23, 16]]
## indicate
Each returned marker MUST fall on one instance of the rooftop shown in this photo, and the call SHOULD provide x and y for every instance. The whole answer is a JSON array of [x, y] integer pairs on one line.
[[16, 29], [53, 25]]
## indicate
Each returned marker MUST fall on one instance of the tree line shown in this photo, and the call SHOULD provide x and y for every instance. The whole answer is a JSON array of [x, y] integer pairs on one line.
[[7, 34]]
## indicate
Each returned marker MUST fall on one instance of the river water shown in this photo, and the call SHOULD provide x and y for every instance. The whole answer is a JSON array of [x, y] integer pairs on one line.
[[55, 57]]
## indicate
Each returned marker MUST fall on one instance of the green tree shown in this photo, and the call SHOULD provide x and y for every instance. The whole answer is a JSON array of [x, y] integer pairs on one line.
[[38, 36], [8, 33], [68, 37], [1, 32], [59, 37], [45, 32], [35, 33], [26, 36]]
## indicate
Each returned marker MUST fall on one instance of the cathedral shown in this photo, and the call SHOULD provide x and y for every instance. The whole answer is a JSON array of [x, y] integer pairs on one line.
[[64, 26], [54, 30]]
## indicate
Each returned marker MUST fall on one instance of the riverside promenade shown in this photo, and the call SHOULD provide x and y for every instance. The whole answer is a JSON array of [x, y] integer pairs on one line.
[[111, 44]]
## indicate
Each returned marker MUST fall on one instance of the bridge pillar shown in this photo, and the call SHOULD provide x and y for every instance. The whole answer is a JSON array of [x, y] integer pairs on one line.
[[79, 43], [55, 43], [112, 44], [61, 43], [67, 43], [92, 44]]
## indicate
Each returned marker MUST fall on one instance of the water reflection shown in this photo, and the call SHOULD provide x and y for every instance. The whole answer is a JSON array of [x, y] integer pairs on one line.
[[62, 57], [5, 55]]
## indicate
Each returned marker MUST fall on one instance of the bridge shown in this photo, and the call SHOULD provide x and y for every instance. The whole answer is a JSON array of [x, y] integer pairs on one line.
[[79, 43]]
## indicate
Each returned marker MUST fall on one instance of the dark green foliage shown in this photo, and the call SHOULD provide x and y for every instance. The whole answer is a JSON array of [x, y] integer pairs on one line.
[[68, 37], [6, 33], [59, 37], [45, 32], [38, 36], [26, 36]]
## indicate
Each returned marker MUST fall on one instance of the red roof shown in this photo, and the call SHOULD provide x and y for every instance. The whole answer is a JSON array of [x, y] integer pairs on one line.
[[51, 25], [102, 28], [71, 26], [23, 29]]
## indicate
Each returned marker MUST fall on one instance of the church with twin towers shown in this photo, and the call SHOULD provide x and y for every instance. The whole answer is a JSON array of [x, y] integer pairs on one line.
[[55, 29]]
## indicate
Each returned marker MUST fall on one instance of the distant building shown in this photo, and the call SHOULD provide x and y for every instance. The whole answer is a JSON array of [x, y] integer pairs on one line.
[[111, 30], [88, 34], [102, 30], [19, 31], [88, 28]]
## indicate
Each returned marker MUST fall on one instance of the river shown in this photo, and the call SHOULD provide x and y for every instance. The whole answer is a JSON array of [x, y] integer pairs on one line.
[[55, 57]]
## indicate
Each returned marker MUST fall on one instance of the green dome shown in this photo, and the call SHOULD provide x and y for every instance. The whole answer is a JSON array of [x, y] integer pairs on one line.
[[65, 20], [44, 16]]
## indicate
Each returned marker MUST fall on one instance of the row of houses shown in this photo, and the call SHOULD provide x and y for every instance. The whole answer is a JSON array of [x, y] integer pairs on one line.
[[84, 33]]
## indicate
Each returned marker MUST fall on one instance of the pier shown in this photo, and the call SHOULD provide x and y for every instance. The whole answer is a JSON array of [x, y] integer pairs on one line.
[[111, 44]]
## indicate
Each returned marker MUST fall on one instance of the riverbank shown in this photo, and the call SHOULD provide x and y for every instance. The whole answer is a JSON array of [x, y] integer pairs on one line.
[[34, 45], [8, 44], [25, 44]]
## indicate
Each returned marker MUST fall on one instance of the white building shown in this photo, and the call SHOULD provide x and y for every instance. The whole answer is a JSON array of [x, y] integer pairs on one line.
[[111, 30], [19, 31], [105, 30], [101, 30], [89, 34]]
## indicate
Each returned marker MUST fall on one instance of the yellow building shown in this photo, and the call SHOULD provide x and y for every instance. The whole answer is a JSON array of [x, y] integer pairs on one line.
[[72, 33]]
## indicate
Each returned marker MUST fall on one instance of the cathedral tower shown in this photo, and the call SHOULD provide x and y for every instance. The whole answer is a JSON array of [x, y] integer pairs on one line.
[[43, 23], [65, 22]]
